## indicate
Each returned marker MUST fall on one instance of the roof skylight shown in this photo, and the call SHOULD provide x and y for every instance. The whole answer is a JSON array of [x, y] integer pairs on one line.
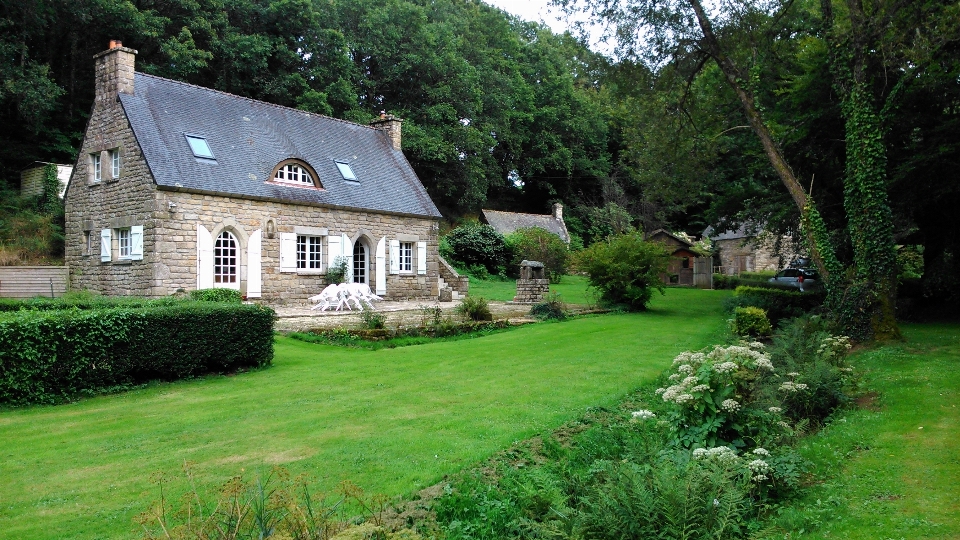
[[346, 172], [199, 146]]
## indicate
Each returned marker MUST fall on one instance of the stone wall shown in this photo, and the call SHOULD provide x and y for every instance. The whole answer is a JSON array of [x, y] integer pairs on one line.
[[175, 252]]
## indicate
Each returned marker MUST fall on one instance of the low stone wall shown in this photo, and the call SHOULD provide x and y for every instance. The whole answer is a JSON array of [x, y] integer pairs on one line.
[[531, 291]]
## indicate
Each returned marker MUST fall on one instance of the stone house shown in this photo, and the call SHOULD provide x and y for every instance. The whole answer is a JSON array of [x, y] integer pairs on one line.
[[746, 249], [508, 222], [179, 187]]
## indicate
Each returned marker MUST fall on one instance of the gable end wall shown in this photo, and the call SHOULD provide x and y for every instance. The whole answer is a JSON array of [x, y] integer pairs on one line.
[[124, 202]]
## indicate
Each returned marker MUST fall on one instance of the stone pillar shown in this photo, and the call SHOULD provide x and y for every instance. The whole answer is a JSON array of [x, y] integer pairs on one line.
[[532, 285]]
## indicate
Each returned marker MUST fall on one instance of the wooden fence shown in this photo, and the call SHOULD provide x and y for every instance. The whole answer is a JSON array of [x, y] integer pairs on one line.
[[30, 281]]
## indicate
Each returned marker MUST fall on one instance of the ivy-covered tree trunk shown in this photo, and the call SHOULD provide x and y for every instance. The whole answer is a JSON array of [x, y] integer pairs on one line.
[[867, 307]]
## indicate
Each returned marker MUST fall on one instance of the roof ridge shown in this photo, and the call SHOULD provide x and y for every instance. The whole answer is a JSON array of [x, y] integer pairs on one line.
[[254, 100], [521, 213]]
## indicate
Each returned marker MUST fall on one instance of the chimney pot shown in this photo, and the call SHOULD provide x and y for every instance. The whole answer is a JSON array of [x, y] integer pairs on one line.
[[115, 44], [558, 211]]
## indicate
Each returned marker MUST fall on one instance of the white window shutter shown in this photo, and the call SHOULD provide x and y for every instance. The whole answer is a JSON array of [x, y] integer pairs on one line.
[[333, 249], [346, 251], [136, 242], [254, 267], [204, 258], [421, 258], [106, 239], [382, 266], [288, 252], [394, 256]]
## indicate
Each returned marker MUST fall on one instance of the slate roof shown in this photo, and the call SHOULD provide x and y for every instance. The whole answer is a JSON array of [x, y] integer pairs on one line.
[[249, 138], [663, 232], [507, 222]]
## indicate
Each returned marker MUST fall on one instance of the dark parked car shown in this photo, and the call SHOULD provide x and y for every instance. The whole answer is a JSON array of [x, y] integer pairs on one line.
[[805, 279]]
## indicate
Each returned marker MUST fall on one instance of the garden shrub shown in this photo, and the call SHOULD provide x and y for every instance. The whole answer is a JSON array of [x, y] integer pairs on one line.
[[778, 303], [479, 244], [337, 270], [216, 295], [625, 269], [536, 244], [816, 378], [475, 308], [750, 322], [50, 356], [373, 320], [552, 308]]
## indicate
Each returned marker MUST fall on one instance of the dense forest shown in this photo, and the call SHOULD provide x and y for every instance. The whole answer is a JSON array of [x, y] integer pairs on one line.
[[503, 113]]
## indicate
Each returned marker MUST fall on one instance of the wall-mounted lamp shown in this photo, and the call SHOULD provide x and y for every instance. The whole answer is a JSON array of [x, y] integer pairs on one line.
[[271, 229]]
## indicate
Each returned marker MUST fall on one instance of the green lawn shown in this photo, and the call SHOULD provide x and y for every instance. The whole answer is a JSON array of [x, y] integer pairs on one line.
[[891, 470], [392, 420], [572, 289]]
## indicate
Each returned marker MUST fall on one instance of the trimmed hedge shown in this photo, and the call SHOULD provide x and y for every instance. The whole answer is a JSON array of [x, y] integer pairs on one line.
[[217, 295], [52, 356], [778, 303], [82, 301]]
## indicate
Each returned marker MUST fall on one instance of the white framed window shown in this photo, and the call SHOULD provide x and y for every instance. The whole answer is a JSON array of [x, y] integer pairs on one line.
[[293, 173], [95, 166], [226, 261], [309, 250], [115, 163], [124, 243], [406, 257]]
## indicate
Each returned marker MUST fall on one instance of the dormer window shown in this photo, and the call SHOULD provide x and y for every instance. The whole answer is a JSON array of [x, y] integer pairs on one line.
[[295, 172], [199, 146], [346, 172]]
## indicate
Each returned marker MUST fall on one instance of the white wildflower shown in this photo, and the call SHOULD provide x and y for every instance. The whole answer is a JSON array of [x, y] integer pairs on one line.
[[775, 410], [758, 466], [700, 388], [730, 405], [784, 425], [686, 369], [683, 398], [761, 452], [790, 386], [690, 381], [675, 377], [759, 477], [660, 391], [726, 367], [793, 374], [643, 414], [699, 453]]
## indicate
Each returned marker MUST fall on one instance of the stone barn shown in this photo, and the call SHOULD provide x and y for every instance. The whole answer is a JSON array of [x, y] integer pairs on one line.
[[179, 187]]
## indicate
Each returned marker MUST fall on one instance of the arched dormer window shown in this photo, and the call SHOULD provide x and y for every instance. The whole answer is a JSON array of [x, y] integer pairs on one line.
[[295, 172]]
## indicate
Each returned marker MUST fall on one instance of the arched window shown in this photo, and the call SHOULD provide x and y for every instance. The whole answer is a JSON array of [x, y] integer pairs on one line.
[[295, 172], [226, 261]]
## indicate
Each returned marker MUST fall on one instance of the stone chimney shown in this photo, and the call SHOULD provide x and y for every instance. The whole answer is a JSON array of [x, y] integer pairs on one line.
[[390, 125], [558, 211], [114, 72]]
